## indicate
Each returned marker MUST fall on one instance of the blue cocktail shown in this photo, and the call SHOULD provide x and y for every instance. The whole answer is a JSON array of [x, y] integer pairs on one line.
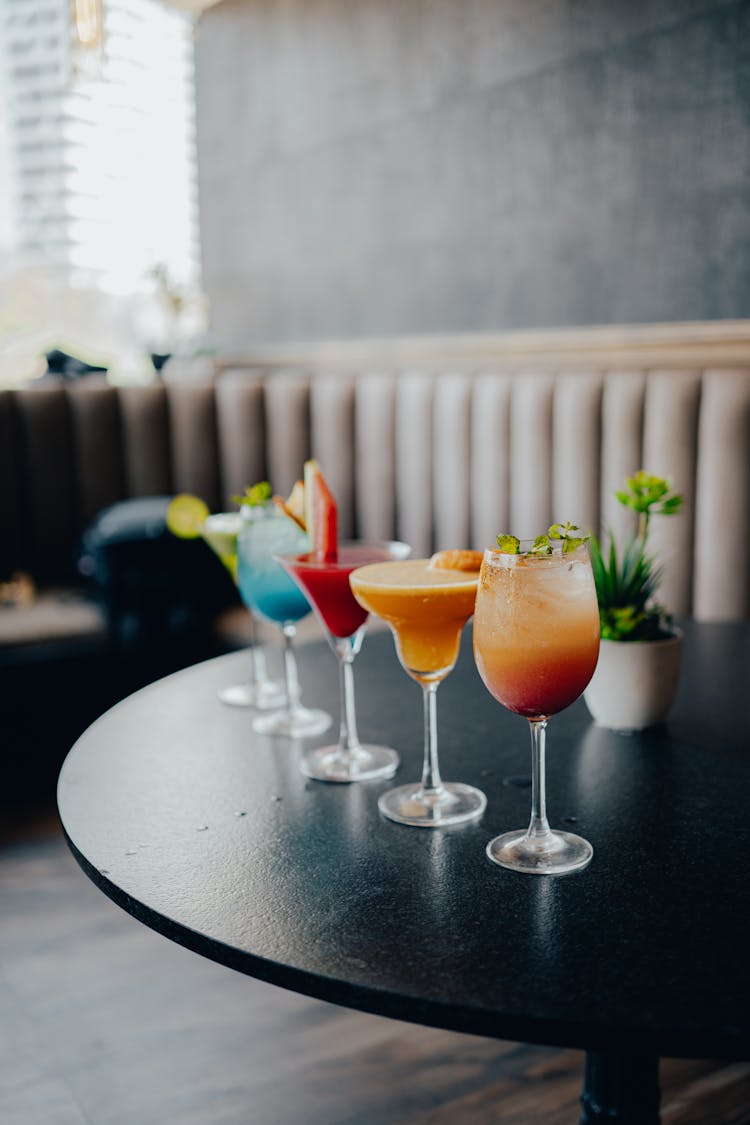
[[221, 531], [273, 595]]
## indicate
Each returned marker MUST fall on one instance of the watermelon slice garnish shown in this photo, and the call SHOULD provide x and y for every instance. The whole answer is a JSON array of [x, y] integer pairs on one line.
[[321, 514]]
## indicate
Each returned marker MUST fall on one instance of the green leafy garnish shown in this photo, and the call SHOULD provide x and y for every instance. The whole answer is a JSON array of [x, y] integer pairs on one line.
[[541, 546], [564, 531], [255, 495]]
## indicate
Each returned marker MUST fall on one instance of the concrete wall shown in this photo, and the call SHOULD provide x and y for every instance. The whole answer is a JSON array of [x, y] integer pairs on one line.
[[404, 166]]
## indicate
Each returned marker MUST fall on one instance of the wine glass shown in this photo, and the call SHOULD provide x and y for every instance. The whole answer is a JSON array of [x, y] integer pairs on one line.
[[220, 531], [326, 584], [426, 608], [536, 644], [273, 595]]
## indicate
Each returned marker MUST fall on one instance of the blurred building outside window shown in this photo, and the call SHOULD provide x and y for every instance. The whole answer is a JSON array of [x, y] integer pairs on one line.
[[99, 243]]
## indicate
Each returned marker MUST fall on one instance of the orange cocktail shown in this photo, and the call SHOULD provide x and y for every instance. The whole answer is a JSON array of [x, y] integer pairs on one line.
[[426, 602], [536, 644], [425, 606], [536, 630]]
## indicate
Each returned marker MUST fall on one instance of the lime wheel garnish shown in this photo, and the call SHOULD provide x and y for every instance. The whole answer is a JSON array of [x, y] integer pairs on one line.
[[186, 515]]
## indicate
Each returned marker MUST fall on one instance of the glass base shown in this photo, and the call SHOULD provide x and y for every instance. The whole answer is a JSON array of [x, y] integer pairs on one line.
[[556, 853], [331, 763], [452, 803], [266, 696], [300, 723]]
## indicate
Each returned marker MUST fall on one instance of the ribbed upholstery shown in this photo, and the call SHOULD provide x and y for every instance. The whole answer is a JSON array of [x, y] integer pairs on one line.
[[145, 440], [576, 449], [332, 441], [375, 455], [438, 458], [721, 583], [670, 448], [490, 458], [414, 452], [531, 407], [451, 459], [241, 426], [622, 446], [195, 453], [47, 499], [10, 490], [288, 421], [97, 448]]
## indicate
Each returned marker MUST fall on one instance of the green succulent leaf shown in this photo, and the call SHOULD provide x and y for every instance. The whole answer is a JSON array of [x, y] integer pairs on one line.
[[671, 505], [625, 588], [649, 495], [626, 583]]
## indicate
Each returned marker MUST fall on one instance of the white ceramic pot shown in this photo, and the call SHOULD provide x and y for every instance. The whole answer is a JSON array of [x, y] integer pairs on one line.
[[635, 682]]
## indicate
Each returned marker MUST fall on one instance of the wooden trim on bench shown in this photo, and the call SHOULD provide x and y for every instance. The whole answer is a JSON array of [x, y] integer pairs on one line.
[[696, 344]]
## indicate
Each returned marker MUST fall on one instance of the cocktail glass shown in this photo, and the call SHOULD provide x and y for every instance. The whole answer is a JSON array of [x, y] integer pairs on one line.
[[326, 584], [426, 609], [274, 596], [536, 644], [220, 531]]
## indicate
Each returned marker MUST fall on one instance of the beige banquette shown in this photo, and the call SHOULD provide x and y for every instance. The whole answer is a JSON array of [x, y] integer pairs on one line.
[[442, 441]]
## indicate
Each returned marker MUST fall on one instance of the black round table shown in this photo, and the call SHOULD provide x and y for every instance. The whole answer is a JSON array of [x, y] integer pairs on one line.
[[212, 836]]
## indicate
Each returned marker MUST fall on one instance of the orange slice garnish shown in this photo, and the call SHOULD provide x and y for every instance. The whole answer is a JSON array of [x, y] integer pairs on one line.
[[294, 505], [456, 560], [281, 503]]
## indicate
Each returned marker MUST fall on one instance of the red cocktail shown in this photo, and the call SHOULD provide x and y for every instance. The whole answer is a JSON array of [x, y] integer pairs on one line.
[[325, 582]]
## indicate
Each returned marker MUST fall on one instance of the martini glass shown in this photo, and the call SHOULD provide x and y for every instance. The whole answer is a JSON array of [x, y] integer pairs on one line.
[[536, 644], [426, 608], [275, 597], [326, 584], [220, 531]]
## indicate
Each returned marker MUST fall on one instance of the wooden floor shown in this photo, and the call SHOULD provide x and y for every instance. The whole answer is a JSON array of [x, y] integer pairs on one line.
[[103, 1022]]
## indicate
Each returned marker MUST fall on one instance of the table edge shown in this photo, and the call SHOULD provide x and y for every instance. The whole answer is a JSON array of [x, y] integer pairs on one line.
[[676, 1043]]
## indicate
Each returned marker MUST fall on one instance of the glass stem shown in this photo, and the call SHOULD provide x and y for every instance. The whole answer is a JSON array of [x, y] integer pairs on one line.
[[348, 737], [291, 677], [539, 825], [430, 769], [258, 673]]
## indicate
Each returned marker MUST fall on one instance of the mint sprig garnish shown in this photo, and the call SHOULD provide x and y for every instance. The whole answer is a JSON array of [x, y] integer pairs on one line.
[[254, 495], [565, 531], [543, 544]]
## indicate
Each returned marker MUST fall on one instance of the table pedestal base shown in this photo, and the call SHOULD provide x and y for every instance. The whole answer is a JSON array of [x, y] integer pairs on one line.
[[620, 1087]]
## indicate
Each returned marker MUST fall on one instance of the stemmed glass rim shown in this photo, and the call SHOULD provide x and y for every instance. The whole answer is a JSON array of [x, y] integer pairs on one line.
[[496, 555], [213, 517], [396, 547]]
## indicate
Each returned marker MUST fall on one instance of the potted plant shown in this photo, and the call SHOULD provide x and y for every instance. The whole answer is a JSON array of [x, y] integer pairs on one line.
[[639, 662]]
